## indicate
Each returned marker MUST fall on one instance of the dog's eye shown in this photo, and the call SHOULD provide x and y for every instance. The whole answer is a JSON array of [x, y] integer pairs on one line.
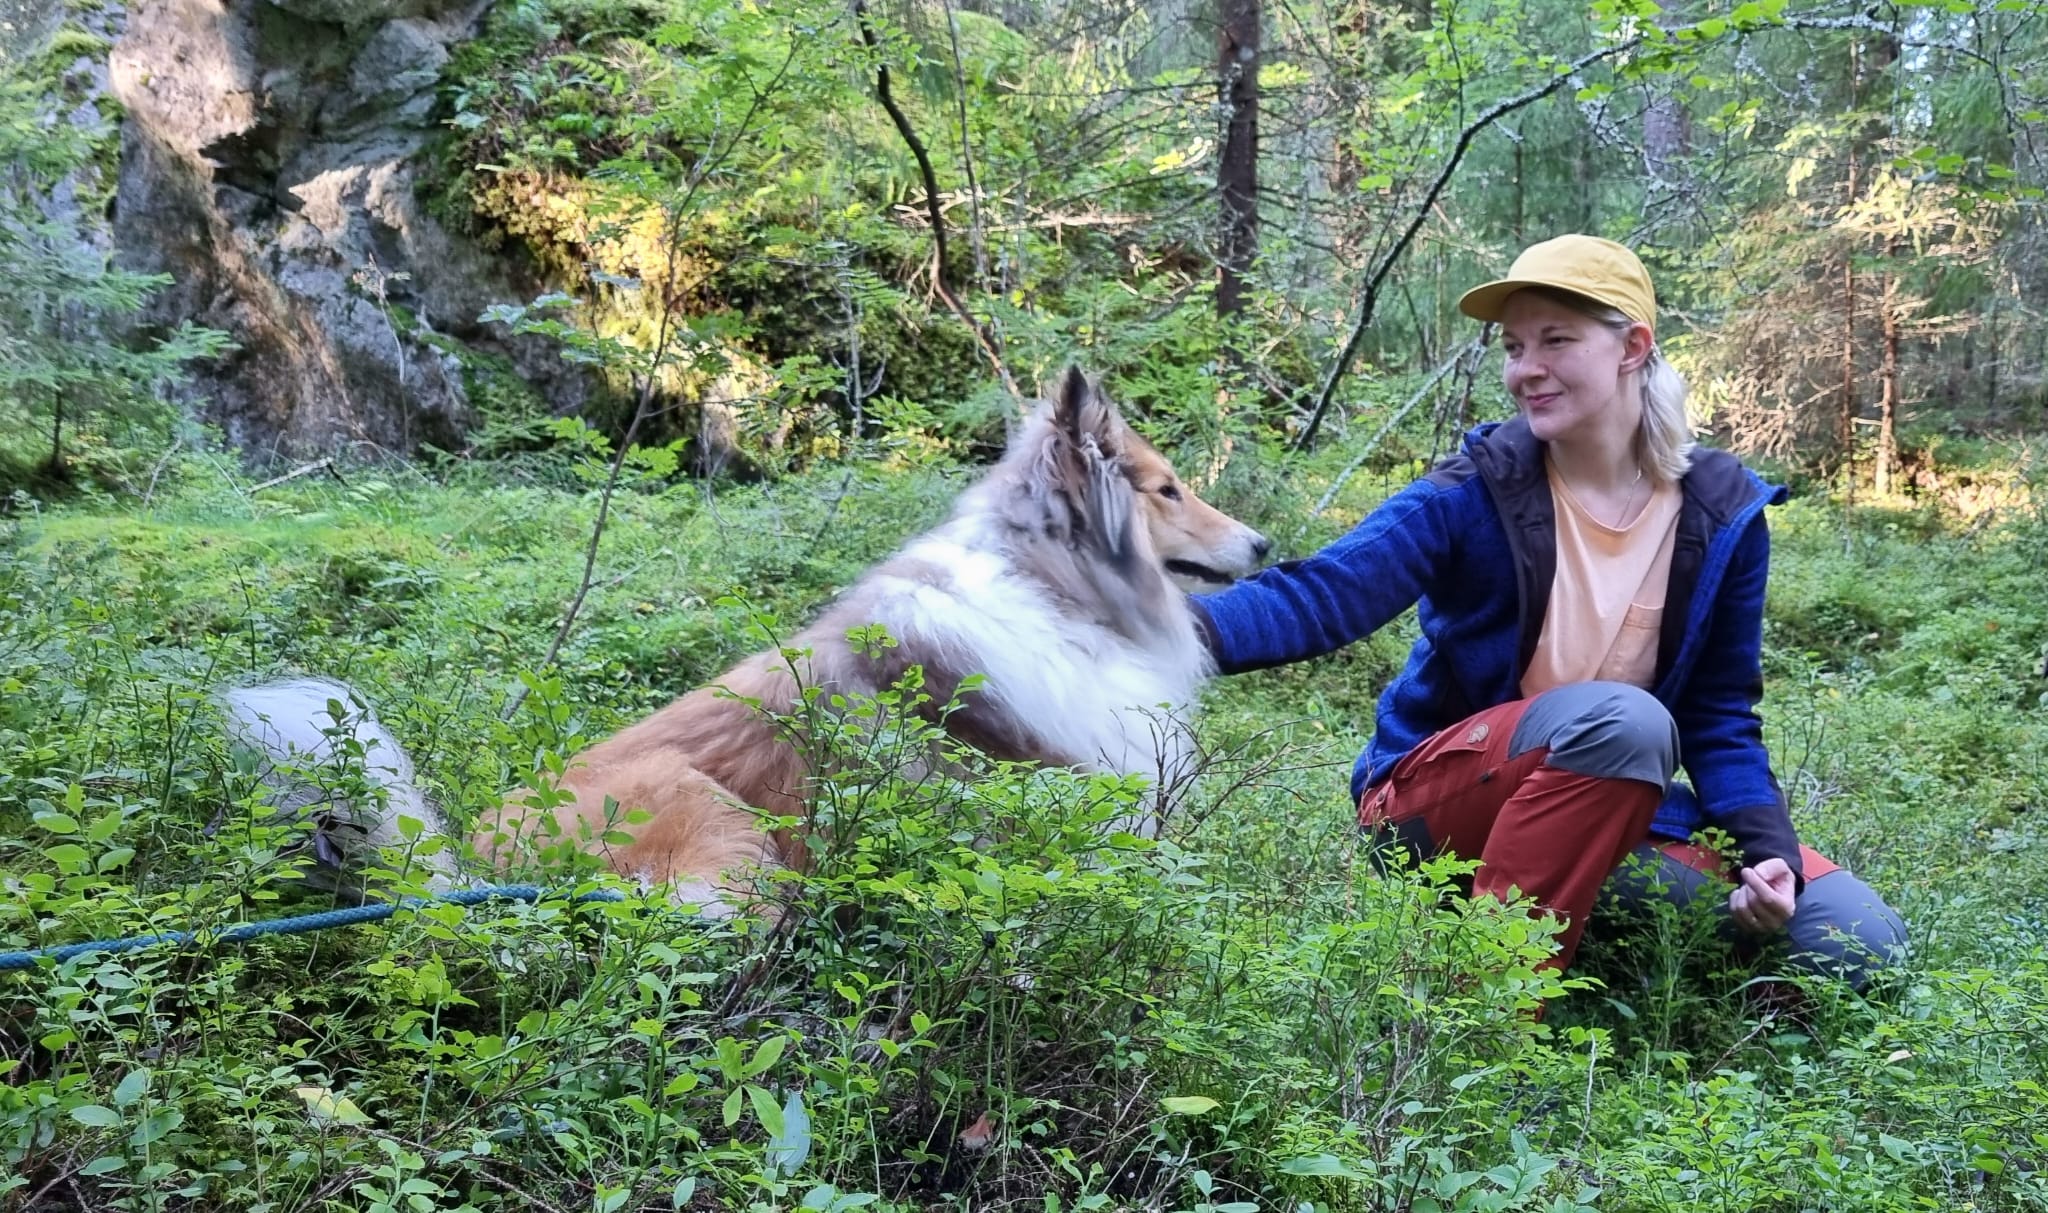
[[1170, 491]]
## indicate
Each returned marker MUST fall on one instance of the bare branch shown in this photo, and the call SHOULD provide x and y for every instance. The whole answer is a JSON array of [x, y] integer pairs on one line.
[[931, 201], [1473, 351], [1377, 276], [318, 465]]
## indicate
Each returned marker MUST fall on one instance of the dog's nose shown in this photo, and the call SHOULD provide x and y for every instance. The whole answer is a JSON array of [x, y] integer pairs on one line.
[[1260, 546]]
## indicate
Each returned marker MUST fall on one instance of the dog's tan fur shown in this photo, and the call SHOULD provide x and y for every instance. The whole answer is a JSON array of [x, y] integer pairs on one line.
[[708, 766]]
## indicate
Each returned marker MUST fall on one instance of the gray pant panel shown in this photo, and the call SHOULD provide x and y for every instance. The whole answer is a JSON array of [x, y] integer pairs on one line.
[[1840, 926], [1607, 729]]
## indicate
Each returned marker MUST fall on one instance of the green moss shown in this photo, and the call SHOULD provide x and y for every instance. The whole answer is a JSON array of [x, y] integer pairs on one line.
[[71, 43]]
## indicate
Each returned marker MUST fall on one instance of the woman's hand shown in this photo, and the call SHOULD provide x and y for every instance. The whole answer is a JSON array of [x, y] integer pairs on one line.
[[1763, 897]]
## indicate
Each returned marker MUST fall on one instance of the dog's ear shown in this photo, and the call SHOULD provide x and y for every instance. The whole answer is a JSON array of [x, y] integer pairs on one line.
[[1112, 506], [1081, 412], [1091, 436]]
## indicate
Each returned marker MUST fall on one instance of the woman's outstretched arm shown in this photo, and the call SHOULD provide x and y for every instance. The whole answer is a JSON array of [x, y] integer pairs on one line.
[[1304, 608]]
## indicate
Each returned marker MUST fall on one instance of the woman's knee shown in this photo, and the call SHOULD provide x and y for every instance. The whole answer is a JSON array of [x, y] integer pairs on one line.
[[1650, 876], [1609, 730], [1840, 926]]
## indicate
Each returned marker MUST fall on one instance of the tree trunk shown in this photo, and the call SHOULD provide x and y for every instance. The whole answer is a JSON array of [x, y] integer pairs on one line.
[[1667, 136], [1845, 415], [1354, 27], [1996, 358], [1866, 145], [1888, 403], [1237, 172], [1585, 200], [1845, 409], [1884, 52], [1521, 199], [1667, 128], [57, 432], [975, 224]]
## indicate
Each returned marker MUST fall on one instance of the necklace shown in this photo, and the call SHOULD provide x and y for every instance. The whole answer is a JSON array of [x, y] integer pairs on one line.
[[1628, 503]]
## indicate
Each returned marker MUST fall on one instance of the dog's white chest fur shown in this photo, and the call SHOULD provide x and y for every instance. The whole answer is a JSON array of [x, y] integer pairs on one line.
[[1087, 691]]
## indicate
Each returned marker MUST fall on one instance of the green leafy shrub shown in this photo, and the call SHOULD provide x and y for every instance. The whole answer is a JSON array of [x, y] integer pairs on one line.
[[982, 993]]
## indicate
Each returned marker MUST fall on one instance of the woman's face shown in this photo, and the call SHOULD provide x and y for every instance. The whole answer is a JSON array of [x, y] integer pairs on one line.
[[1568, 371]]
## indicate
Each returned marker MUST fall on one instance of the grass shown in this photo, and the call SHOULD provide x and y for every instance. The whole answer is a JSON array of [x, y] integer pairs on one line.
[[1244, 1016]]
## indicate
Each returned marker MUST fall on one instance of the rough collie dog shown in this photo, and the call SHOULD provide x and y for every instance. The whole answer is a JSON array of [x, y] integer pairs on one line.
[[1059, 578]]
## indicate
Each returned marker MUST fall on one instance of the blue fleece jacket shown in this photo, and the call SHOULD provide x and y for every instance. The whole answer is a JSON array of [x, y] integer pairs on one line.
[[1472, 544]]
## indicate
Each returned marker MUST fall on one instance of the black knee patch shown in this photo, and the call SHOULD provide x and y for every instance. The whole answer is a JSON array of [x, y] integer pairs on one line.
[[1610, 730]]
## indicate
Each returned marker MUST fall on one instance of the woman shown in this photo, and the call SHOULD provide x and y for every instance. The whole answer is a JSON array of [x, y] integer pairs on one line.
[[1591, 592]]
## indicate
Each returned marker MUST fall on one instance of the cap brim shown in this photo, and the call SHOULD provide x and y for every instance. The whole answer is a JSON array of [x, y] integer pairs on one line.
[[1488, 302], [1485, 302]]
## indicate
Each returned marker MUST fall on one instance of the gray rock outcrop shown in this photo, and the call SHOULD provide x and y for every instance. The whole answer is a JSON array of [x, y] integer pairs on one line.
[[269, 161], [79, 90], [26, 26]]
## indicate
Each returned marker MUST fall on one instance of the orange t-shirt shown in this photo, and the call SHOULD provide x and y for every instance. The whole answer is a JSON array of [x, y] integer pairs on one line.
[[1607, 598]]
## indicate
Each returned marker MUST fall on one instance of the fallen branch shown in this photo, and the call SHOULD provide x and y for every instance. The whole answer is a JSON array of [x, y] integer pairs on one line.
[[318, 465], [1108, 220]]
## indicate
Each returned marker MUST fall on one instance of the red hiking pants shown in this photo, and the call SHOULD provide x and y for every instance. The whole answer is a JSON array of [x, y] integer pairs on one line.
[[1549, 810]]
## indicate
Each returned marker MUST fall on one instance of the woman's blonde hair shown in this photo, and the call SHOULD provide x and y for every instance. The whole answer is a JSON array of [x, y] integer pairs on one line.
[[1664, 441]]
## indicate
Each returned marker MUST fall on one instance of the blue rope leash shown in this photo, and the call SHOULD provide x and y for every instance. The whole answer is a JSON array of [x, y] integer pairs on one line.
[[352, 916]]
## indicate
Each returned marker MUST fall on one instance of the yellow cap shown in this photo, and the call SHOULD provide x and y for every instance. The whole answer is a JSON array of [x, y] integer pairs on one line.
[[1601, 270]]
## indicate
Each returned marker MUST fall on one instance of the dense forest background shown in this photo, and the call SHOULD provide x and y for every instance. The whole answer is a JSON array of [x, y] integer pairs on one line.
[[783, 232], [524, 362]]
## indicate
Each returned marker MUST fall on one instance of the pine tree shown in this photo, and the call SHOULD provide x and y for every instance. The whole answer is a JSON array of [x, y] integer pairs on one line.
[[64, 365]]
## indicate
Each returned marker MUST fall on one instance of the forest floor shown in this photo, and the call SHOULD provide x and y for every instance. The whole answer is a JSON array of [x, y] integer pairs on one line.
[[1244, 1016]]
